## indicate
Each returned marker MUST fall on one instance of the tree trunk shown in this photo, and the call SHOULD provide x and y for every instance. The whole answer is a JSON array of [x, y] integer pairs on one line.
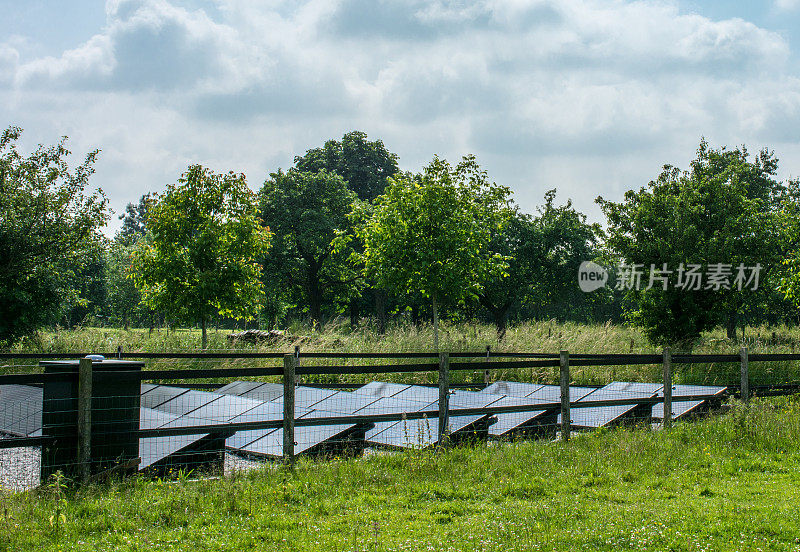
[[500, 322], [499, 315], [415, 314], [730, 326], [205, 336], [435, 326], [354, 313], [380, 310], [314, 295], [125, 321]]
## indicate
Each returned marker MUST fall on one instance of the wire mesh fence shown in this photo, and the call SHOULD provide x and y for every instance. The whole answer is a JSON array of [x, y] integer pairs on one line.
[[181, 413]]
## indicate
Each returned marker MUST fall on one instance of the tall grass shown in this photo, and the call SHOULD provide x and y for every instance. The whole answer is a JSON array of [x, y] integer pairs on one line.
[[724, 483], [541, 336]]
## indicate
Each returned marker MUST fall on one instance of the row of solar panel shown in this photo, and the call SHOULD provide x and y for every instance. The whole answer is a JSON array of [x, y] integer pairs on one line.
[[168, 406]]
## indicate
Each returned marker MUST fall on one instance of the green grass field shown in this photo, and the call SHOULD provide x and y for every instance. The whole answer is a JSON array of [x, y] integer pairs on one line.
[[547, 336], [730, 482]]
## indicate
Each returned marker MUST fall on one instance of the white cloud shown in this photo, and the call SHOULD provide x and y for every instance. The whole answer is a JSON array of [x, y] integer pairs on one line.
[[787, 5], [547, 92]]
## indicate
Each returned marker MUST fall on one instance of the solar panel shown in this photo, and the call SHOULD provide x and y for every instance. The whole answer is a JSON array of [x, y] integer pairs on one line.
[[422, 432], [520, 421], [552, 393], [155, 449], [183, 403], [392, 405], [265, 392], [344, 401], [307, 438], [599, 416], [679, 408], [157, 395], [218, 411], [240, 387], [418, 393], [684, 408], [513, 388], [265, 411], [382, 388], [21, 410], [460, 398]]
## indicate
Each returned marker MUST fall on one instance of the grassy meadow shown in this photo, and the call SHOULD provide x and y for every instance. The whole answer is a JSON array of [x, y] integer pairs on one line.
[[543, 336], [726, 483]]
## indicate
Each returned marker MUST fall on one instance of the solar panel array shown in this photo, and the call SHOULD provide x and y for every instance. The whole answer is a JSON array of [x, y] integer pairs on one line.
[[164, 406]]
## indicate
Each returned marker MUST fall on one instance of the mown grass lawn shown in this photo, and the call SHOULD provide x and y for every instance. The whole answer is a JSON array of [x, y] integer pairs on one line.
[[726, 483]]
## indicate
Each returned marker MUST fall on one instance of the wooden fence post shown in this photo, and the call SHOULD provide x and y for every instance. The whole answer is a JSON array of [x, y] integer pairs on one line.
[[486, 373], [566, 420], [85, 418], [289, 365], [667, 366], [444, 398], [743, 355]]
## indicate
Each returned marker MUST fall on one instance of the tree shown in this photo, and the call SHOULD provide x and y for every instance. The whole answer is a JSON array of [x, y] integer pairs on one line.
[[201, 258], [363, 165], [134, 220], [123, 297], [47, 221], [307, 211], [431, 234], [544, 253], [724, 211]]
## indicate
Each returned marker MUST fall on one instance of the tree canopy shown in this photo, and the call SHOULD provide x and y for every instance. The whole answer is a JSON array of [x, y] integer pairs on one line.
[[724, 211], [544, 252], [201, 257], [48, 221], [306, 211], [364, 165], [430, 234]]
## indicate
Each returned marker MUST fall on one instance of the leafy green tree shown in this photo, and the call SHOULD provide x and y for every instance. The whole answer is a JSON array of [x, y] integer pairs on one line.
[[202, 256], [364, 165], [47, 221], [544, 253], [724, 210], [134, 220], [85, 295], [430, 235], [124, 299], [307, 211]]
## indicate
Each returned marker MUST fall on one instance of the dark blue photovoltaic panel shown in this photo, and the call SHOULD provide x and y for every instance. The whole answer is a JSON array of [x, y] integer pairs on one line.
[[343, 402], [265, 392], [306, 437], [382, 388], [21, 410], [421, 393], [157, 395], [512, 420], [419, 433], [679, 408], [263, 412], [153, 449], [183, 403], [682, 408], [218, 411], [512, 388], [240, 388], [598, 416], [552, 393]]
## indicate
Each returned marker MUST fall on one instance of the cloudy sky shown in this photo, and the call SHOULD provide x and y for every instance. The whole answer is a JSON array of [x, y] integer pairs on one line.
[[587, 96]]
